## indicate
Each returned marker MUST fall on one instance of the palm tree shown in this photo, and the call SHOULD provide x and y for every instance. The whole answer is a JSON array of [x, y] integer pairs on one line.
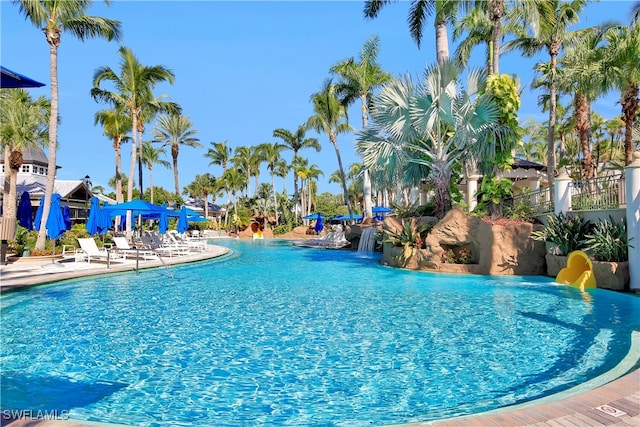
[[150, 156], [271, 154], [219, 153], [622, 65], [133, 90], [296, 142], [115, 124], [53, 17], [583, 74], [202, 185], [331, 118], [548, 30], [444, 10], [436, 124], [23, 124], [175, 130], [359, 80]]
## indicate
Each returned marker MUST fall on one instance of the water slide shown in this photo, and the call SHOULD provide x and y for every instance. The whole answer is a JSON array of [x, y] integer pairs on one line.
[[578, 272]]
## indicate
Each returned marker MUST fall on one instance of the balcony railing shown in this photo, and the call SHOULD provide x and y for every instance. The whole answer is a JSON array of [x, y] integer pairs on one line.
[[598, 193]]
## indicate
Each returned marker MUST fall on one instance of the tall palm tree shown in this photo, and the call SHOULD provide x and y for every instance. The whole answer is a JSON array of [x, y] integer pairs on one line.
[[115, 124], [331, 119], [133, 90], [622, 65], [23, 124], [584, 76], [271, 155], [220, 154], [444, 11], [358, 81], [296, 142], [202, 185], [54, 17], [436, 124], [244, 158], [175, 130], [151, 155], [548, 29]]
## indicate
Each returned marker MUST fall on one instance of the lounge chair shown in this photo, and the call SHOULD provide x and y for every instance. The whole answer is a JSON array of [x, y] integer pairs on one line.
[[122, 246], [89, 251], [333, 240], [195, 245], [153, 241]]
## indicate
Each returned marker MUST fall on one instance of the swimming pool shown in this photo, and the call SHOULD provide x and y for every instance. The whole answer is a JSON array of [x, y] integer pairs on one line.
[[281, 335]]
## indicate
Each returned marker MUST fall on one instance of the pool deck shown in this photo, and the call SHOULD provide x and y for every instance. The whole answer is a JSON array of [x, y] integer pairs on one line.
[[615, 403]]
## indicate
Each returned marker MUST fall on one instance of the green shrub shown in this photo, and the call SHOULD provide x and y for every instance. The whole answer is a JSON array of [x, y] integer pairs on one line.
[[567, 233], [608, 241], [410, 237]]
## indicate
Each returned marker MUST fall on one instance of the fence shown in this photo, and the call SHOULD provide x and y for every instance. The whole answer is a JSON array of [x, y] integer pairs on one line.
[[598, 193]]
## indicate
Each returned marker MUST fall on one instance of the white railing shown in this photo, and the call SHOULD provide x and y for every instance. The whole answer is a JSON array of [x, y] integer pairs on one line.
[[598, 193]]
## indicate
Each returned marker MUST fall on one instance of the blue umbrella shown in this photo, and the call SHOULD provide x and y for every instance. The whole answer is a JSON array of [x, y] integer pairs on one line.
[[313, 216], [319, 225], [183, 223], [104, 220], [346, 217], [163, 220], [55, 221], [381, 210], [24, 211], [38, 219], [94, 217], [11, 79], [66, 216]]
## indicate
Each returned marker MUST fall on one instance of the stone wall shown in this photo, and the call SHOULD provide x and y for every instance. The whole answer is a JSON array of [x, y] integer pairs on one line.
[[496, 249]]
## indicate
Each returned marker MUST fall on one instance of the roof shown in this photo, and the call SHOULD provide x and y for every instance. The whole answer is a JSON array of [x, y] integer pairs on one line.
[[526, 164], [36, 186], [32, 156]]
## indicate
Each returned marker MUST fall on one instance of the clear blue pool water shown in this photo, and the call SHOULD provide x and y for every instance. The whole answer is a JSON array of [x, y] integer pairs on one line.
[[280, 335]]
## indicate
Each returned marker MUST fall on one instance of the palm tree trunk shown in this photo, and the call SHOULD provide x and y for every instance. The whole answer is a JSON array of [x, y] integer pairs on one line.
[[174, 155], [583, 126], [345, 192], [53, 142], [116, 148], [442, 41], [496, 10], [10, 178], [275, 200], [551, 153], [140, 157], [151, 181], [132, 169], [366, 179], [629, 108]]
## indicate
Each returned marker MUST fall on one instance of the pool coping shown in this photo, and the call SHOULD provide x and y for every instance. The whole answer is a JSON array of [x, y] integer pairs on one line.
[[618, 389]]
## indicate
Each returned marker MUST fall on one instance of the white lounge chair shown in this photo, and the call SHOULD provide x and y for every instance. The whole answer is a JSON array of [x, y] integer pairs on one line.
[[89, 251], [153, 241], [122, 246], [194, 245]]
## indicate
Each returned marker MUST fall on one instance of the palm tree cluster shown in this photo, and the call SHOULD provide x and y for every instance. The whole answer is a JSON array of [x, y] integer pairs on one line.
[[414, 131]]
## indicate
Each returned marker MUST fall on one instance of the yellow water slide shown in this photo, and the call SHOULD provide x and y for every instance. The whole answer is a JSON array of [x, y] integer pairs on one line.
[[578, 272]]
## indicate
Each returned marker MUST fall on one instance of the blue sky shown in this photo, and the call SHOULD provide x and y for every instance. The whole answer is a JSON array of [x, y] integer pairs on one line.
[[242, 70]]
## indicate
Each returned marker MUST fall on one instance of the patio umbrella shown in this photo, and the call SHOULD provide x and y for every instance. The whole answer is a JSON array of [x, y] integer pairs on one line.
[[313, 216], [183, 223], [319, 225], [11, 80], [25, 212], [104, 220], [38, 219], [163, 220], [94, 216], [381, 210], [66, 216], [55, 222]]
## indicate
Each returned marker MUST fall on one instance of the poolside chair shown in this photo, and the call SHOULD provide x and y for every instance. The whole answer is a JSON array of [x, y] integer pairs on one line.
[[153, 241], [89, 251], [177, 240], [122, 246]]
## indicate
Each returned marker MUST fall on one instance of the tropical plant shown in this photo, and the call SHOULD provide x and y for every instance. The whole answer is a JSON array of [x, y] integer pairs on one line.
[[433, 127], [607, 241], [331, 119], [566, 233], [409, 237], [152, 156], [505, 92], [23, 124], [174, 130], [54, 17], [548, 24], [115, 124], [271, 154], [493, 193], [296, 142], [133, 91], [202, 186], [358, 81]]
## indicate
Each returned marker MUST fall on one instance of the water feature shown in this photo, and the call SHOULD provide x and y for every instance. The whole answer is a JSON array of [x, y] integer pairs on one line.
[[367, 244], [281, 335]]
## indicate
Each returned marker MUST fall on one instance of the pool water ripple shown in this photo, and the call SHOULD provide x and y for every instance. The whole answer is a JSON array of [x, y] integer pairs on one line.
[[280, 335]]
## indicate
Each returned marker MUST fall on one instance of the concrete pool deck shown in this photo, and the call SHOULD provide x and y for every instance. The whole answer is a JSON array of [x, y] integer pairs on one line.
[[615, 403]]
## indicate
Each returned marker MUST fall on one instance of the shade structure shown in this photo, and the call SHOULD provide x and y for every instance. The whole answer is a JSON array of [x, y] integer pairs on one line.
[[94, 213], [137, 207], [347, 218], [24, 211], [12, 80], [314, 216], [183, 222], [163, 220], [66, 216], [319, 225], [381, 210], [55, 220]]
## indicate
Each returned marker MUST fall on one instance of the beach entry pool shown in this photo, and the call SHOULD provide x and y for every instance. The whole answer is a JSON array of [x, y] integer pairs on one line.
[[280, 335]]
